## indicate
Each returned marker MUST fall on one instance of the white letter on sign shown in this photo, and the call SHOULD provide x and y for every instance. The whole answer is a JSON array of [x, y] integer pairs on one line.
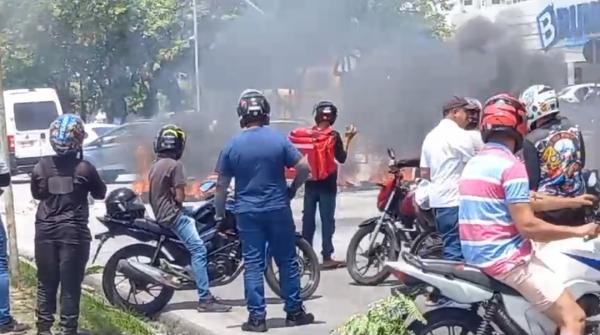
[[546, 29]]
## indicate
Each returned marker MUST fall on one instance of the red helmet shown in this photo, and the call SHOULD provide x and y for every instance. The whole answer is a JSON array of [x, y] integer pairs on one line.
[[504, 113]]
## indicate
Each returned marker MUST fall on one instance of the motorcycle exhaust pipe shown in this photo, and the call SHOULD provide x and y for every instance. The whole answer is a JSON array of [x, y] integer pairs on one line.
[[147, 274]]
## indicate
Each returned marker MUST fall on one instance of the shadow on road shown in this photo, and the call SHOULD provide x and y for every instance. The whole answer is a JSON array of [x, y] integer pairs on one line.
[[275, 323], [230, 302]]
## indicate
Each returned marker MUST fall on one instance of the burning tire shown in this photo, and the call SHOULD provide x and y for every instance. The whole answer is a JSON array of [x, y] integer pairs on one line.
[[114, 295], [308, 265]]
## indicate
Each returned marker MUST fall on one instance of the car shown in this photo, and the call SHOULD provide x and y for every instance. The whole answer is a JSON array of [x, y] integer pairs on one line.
[[95, 130], [114, 153], [576, 94], [29, 113]]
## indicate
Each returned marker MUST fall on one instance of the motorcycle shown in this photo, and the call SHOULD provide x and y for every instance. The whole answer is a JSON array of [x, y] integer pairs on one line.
[[401, 224], [504, 309], [167, 266]]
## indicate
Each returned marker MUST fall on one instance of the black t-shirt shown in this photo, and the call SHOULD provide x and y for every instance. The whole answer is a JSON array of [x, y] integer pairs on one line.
[[166, 175], [329, 184], [62, 185]]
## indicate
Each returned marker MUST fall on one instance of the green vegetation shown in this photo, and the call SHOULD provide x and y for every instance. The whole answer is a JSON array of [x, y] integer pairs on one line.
[[388, 316], [96, 316]]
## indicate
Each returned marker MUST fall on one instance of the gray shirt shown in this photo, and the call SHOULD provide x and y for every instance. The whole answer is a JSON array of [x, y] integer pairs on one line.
[[166, 174]]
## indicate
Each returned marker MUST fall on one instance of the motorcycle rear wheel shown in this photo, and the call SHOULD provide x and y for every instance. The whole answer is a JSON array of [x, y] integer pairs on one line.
[[391, 254], [111, 292], [449, 318], [310, 263], [428, 245]]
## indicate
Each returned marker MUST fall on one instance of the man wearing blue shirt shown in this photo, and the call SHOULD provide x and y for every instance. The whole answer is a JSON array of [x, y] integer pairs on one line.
[[257, 158]]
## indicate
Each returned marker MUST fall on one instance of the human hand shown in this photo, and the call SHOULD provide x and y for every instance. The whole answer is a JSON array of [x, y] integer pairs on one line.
[[588, 230], [586, 200], [351, 131]]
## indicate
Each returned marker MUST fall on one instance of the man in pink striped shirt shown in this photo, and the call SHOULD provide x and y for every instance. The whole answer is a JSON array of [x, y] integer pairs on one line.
[[496, 220]]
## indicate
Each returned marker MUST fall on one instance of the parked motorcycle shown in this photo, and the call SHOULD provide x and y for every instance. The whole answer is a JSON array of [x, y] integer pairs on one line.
[[575, 260], [399, 224], [156, 271]]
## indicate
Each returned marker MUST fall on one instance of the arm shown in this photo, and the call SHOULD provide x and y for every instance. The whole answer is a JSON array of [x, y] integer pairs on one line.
[[39, 185], [425, 172], [178, 182], [223, 183], [516, 191], [539, 230], [532, 164], [543, 202], [341, 148], [97, 185], [302, 173], [293, 158]]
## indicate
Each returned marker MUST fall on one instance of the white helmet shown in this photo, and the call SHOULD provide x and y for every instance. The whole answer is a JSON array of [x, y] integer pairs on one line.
[[540, 101]]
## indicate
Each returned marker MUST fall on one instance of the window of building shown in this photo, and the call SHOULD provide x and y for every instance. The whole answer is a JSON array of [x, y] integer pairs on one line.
[[468, 2]]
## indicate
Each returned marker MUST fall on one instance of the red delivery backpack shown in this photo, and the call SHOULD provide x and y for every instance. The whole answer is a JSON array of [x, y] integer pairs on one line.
[[318, 145]]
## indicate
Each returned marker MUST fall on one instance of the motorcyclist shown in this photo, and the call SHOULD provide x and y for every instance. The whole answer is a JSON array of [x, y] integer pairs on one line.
[[257, 158], [167, 193], [62, 183], [497, 224], [554, 153]]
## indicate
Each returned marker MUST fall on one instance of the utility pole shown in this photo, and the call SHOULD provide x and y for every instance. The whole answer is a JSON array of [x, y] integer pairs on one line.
[[196, 55], [9, 203]]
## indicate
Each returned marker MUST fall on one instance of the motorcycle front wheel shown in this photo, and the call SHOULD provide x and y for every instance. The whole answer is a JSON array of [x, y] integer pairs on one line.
[[382, 252], [452, 320], [128, 300], [308, 265]]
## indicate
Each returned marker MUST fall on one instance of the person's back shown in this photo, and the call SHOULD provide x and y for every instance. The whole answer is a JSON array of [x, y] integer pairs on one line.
[[62, 184], [258, 157], [489, 238], [165, 175]]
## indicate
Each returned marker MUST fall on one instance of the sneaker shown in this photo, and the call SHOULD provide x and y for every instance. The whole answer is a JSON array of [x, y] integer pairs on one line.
[[299, 318], [211, 305], [255, 326], [445, 302], [14, 327], [331, 264]]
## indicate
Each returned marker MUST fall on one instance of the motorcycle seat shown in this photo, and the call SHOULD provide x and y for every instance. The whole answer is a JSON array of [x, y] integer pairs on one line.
[[151, 226], [459, 270]]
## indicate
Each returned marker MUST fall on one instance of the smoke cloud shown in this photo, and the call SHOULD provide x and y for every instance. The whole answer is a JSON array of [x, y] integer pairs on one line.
[[402, 79]]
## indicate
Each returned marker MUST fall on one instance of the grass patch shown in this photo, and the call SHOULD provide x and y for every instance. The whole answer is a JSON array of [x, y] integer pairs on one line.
[[95, 316]]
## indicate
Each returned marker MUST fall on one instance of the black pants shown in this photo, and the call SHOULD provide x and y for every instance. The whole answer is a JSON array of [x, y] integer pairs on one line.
[[64, 264], [326, 200]]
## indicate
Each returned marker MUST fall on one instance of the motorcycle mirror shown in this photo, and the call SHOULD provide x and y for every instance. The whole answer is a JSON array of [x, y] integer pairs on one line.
[[391, 153]]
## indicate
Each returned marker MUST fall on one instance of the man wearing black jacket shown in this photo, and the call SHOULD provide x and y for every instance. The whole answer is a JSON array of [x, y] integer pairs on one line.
[[62, 183], [324, 192], [7, 323]]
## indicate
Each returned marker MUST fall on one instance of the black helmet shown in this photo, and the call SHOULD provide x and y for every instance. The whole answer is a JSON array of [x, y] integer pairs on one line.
[[170, 139], [253, 107], [124, 204], [325, 111]]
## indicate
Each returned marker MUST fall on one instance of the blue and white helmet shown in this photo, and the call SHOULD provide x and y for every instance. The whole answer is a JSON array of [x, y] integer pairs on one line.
[[540, 101], [67, 133]]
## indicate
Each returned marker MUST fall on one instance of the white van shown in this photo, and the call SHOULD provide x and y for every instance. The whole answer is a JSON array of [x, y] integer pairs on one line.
[[29, 113]]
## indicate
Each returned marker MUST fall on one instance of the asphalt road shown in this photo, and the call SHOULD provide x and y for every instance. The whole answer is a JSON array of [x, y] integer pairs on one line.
[[335, 300]]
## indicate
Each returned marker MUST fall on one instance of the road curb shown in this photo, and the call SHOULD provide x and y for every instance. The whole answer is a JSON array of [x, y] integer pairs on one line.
[[174, 324]]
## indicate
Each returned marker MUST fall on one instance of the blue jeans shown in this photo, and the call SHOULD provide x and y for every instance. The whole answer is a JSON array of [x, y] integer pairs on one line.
[[446, 220], [326, 201], [185, 229], [275, 228], [5, 317]]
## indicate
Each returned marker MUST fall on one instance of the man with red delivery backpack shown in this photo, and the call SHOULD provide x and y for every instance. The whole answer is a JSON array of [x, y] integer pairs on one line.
[[324, 149]]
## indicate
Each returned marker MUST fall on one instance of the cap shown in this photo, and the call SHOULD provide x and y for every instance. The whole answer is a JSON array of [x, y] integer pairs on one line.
[[455, 102]]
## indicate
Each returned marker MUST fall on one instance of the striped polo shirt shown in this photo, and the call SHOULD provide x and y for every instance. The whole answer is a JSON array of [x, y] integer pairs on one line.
[[492, 180]]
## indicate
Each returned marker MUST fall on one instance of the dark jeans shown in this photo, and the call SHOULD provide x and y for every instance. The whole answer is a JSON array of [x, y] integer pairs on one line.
[[446, 220], [5, 317], [275, 228], [326, 201], [64, 264]]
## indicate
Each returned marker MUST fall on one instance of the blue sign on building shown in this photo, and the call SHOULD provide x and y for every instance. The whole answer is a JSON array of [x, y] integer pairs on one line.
[[574, 24]]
